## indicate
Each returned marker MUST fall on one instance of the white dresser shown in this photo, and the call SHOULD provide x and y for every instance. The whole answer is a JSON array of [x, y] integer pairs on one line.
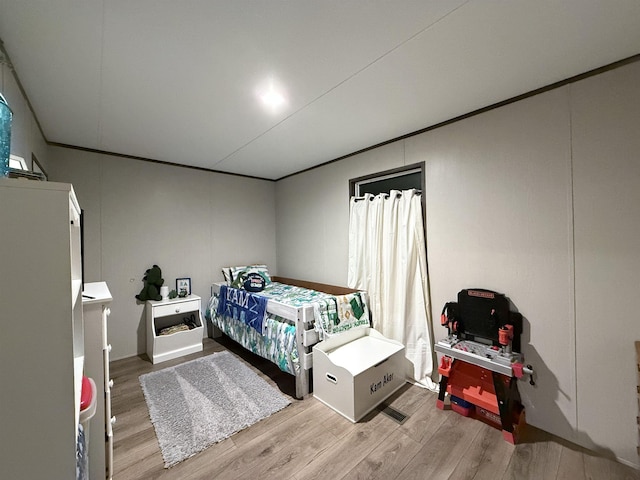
[[95, 306], [41, 335]]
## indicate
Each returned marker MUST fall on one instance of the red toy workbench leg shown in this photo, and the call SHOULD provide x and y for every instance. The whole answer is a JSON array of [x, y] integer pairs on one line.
[[444, 370], [511, 410]]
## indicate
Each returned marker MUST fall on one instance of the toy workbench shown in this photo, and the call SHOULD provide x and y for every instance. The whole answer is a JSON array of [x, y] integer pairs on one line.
[[480, 363]]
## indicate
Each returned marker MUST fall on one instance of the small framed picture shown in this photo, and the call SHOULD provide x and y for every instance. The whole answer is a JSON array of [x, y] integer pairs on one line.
[[183, 286]]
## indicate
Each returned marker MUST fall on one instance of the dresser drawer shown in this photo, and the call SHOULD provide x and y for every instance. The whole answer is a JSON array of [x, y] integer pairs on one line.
[[176, 308]]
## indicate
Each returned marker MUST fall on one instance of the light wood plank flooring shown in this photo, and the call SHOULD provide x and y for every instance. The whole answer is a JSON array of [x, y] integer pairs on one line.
[[307, 440]]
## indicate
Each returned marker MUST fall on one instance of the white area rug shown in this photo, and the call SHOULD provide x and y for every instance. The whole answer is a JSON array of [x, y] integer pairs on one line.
[[201, 402]]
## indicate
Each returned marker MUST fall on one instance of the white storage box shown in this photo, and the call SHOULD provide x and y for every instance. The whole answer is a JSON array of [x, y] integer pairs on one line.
[[355, 371]]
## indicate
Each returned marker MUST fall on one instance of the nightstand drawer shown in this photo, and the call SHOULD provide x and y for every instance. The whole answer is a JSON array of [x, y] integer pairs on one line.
[[176, 308]]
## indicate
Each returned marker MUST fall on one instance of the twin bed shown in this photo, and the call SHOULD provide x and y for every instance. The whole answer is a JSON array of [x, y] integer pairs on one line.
[[298, 315]]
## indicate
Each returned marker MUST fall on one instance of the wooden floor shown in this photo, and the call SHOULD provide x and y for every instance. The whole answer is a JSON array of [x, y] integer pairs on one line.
[[308, 440]]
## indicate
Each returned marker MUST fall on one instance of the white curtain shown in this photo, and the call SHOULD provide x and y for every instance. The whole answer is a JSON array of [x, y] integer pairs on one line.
[[387, 258]]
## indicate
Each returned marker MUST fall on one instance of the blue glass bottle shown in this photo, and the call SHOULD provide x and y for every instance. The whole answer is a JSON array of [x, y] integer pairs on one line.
[[5, 136]]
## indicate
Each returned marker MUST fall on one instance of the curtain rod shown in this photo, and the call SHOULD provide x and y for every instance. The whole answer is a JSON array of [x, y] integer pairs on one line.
[[418, 192]]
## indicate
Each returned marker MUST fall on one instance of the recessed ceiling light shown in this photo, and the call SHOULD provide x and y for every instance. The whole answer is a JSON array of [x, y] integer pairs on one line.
[[272, 96]]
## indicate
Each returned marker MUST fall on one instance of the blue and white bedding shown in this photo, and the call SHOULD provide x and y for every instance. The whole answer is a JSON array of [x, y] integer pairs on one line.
[[277, 342]]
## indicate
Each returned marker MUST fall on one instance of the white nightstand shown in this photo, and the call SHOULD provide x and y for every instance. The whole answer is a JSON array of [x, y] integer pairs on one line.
[[163, 314]]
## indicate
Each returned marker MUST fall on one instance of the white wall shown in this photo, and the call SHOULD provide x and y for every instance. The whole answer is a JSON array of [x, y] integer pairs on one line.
[[499, 217], [501, 192], [189, 222], [606, 164], [312, 212]]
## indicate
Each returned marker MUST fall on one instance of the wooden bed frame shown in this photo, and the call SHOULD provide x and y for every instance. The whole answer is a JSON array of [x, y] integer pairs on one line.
[[303, 319]]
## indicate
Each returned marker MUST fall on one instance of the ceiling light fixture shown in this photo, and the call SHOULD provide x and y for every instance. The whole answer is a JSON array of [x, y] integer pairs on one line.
[[272, 97]]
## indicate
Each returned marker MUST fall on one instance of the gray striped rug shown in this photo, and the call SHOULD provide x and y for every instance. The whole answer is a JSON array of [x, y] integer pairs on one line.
[[198, 403]]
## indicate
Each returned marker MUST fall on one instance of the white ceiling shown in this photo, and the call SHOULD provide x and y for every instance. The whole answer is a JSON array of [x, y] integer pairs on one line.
[[177, 81]]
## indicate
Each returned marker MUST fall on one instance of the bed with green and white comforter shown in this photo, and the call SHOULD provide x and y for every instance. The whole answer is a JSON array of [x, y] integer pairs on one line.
[[278, 342]]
